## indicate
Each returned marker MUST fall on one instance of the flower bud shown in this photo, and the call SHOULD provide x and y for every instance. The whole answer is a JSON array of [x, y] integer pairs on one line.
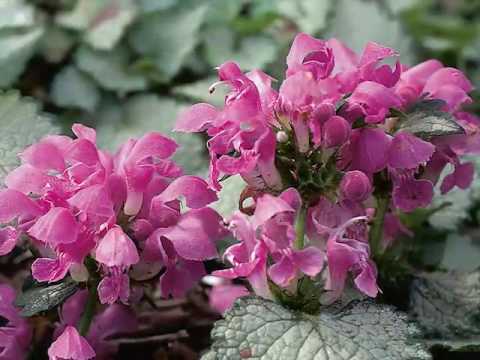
[[282, 137], [355, 186], [336, 131]]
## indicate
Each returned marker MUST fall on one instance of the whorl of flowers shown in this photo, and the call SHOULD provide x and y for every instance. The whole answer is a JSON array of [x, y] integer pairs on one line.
[[329, 159], [97, 216]]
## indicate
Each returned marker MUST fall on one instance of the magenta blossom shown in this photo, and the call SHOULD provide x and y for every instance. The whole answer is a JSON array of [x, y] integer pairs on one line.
[[241, 127], [76, 201], [16, 334], [270, 231], [114, 319], [223, 295], [70, 345]]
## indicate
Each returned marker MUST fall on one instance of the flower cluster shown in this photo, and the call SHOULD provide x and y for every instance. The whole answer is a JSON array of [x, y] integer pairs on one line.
[[345, 144], [80, 205], [330, 159]]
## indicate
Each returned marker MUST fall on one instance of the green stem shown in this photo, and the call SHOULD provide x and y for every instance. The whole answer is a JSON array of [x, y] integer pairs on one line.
[[89, 311], [376, 230], [300, 229]]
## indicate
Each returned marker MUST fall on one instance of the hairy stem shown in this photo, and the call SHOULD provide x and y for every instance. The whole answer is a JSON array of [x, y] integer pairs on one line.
[[300, 228], [89, 311], [376, 230]]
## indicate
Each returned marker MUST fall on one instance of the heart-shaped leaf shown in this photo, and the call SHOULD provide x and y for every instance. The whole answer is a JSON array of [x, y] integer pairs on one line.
[[72, 88], [261, 329]]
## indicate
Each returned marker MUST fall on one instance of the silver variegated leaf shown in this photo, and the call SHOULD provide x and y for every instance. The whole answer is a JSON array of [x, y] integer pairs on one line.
[[430, 124], [261, 329]]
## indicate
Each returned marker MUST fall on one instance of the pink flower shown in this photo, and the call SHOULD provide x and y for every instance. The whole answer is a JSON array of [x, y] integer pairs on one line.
[[16, 334], [310, 54], [335, 132], [57, 226], [248, 258], [75, 200], [223, 296], [408, 151], [116, 249], [349, 255], [117, 252], [114, 319], [355, 186], [462, 177], [411, 194], [430, 78], [240, 127], [368, 150], [183, 246], [270, 231], [373, 101], [8, 239], [139, 161], [70, 346]]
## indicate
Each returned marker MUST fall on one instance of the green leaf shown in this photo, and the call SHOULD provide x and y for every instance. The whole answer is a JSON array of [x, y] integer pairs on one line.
[[198, 91], [148, 6], [462, 252], [357, 22], [253, 51], [56, 44], [310, 15], [110, 24], [143, 113], [110, 69], [17, 47], [229, 196], [44, 297], [261, 329], [72, 88], [82, 15], [20, 125], [168, 36], [447, 305], [430, 124], [221, 11], [256, 52], [16, 13]]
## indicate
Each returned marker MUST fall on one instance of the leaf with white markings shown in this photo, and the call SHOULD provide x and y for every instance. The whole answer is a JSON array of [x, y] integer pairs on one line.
[[20, 125], [261, 329], [72, 88], [447, 305], [430, 124]]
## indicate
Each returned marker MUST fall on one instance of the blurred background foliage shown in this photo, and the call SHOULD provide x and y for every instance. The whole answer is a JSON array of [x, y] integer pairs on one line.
[[129, 66]]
